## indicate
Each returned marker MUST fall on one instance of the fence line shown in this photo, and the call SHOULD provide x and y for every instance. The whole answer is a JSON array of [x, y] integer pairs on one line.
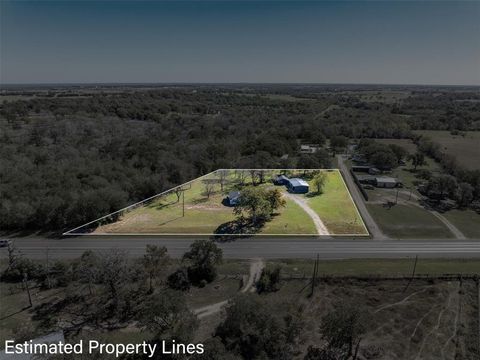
[[378, 277]]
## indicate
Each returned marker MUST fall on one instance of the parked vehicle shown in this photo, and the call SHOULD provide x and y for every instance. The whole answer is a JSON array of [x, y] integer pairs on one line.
[[4, 242]]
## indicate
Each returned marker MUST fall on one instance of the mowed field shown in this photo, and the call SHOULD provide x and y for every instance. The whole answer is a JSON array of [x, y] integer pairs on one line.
[[336, 208], [408, 221], [465, 147], [203, 214]]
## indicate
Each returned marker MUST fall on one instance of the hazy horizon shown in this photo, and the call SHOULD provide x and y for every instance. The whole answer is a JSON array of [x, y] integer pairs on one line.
[[179, 83], [231, 42]]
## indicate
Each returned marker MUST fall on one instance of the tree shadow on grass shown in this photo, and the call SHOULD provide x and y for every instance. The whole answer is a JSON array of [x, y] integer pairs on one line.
[[239, 228], [160, 206], [171, 220]]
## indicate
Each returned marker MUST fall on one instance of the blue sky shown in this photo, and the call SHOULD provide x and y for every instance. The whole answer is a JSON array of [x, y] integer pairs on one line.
[[388, 42]]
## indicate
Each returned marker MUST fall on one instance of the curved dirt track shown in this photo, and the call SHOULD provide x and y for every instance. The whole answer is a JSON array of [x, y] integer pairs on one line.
[[256, 267], [319, 225]]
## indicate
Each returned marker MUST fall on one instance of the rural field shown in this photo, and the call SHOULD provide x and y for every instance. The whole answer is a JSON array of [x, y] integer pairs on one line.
[[194, 209], [17, 318], [408, 221], [464, 147], [422, 318], [401, 213], [429, 320], [428, 317]]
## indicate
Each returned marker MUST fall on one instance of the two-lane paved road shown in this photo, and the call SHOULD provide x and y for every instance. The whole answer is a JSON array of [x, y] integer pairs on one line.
[[256, 247]]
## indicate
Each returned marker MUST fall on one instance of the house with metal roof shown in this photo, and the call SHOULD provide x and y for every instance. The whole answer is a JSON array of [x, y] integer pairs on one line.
[[386, 182], [233, 198], [297, 186], [280, 180]]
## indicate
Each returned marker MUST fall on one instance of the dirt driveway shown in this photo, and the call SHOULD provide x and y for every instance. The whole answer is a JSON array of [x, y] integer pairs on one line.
[[300, 201]]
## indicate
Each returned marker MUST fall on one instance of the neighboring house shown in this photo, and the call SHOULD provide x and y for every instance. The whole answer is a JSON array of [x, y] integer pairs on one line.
[[280, 180], [56, 337], [366, 169], [297, 186], [361, 168], [309, 148], [233, 198], [366, 179], [387, 182]]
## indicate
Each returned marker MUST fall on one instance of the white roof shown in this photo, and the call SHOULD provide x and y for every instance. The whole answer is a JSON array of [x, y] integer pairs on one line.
[[298, 182]]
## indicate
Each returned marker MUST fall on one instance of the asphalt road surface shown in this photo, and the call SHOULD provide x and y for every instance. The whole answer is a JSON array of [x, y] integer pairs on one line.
[[254, 247]]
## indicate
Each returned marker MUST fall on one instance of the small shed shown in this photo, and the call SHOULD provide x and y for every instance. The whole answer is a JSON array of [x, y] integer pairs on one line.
[[386, 182], [297, 186], [233, 198], [280, 180]]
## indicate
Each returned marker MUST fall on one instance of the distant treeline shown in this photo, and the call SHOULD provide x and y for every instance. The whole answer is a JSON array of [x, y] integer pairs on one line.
[[68, 160]]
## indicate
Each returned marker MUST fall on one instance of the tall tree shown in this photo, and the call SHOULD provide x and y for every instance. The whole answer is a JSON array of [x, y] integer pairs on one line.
[[417, 159], [203, 258], [442, 185], [167, 316], [319, 181], [464, 194], [114, 272], [343, 327], [252, 330], [154, 261], [88, 269], [258, 204]]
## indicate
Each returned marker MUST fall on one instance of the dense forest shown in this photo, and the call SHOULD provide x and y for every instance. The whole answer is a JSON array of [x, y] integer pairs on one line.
[[70, 156]]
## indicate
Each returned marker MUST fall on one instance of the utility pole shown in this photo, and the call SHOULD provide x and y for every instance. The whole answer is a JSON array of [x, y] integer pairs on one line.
[[25, 281], [413, 273], [314, 276], [48, 268], [396, 197], [415, 266], [183, 203]]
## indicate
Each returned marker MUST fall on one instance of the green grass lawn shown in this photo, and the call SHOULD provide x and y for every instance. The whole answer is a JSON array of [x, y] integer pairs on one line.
[[336, 208], [467, 221], [384, 267], [290, 220], [408, 176], [404, 221], [205, 214]]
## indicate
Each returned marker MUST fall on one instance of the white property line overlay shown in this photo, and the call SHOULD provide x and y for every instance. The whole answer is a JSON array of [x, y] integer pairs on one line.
[[72, 233], [353, 201]]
